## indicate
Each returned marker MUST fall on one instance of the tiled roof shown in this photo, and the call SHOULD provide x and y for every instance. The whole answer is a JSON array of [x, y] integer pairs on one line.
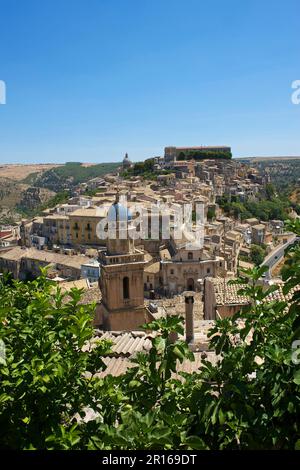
[[128, 343], [68, 285], [119, 365], [89, 212], [91, 295], [88, 296], [115, 366], [279, 296], [232, 296], [231, 293], [44, 256]]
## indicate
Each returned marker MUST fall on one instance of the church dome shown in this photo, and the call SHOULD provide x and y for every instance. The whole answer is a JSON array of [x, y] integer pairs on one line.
[[126, 161], [118, 213]]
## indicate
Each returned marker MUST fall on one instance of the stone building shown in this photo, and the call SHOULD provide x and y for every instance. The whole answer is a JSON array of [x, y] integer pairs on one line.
[[174, 153], [83, 225], [152, 276], [56, 229], [91, 270], [183, 268], [221, 299], [25, 263], [258, 234]]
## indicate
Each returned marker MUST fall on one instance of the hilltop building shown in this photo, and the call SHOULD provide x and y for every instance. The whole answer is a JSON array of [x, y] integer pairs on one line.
[[182, 153]]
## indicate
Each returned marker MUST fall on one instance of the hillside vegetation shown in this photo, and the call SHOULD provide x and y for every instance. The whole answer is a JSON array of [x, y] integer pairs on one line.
[[269, 204], [10, 192], [28, 196], [204, 155], [145, 170], [19, 199], [69, 175], [284, 174]]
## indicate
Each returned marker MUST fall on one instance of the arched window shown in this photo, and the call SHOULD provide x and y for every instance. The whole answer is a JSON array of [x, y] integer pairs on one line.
[[126, 287], [190, 255]]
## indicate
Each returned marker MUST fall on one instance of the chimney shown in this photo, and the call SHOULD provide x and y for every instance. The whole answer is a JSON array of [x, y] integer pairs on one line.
[[189, 316]]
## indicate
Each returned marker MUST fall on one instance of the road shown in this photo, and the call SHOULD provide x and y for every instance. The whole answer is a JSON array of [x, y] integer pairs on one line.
[[275, 256]]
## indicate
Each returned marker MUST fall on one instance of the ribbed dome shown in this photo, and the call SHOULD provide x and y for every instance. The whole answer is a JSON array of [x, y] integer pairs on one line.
[[118, 213], [126, 161]]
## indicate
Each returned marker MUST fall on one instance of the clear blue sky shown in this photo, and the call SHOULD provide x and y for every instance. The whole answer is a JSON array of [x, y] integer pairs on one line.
[[90, 80]]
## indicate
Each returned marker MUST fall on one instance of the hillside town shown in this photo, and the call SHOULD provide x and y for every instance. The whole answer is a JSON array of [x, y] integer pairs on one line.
[[149, 232], [133, 280]]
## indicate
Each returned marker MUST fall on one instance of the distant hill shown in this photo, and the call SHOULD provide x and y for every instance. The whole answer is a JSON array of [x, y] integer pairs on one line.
[[17, 198], [19, 172], [69, 175]]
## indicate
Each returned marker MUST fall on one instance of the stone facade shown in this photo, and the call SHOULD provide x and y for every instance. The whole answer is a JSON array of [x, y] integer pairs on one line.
[[122, 277], [83, 226]]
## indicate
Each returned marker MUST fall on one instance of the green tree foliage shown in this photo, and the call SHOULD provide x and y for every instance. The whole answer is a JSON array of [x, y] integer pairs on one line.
[[248, 399], [262, 208], [257, 254], [69, 175], [59, 198], [270, 191], [211, 213], [43, 383], [144, 169], [284, 174], [205, 155], [181, 156]]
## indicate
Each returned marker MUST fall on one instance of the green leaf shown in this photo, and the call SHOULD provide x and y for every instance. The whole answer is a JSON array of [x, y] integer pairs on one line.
[[221, 417], [160, 343], [194, 442], [297, 377], [4, 397]]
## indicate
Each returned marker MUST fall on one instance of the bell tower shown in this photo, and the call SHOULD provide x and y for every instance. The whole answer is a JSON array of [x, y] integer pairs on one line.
[[122, 275]]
